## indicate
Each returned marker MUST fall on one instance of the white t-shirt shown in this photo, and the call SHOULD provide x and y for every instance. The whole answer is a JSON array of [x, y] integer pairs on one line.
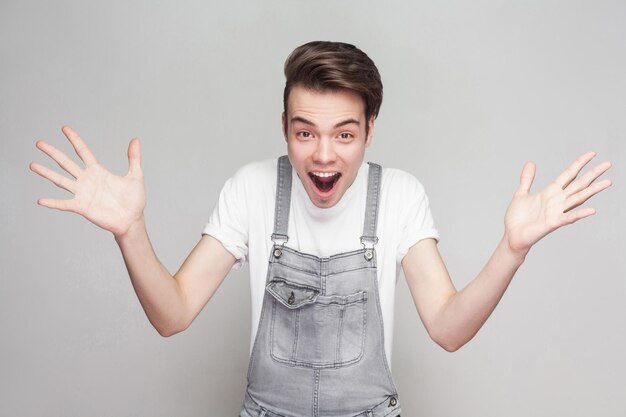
[[243, 221]]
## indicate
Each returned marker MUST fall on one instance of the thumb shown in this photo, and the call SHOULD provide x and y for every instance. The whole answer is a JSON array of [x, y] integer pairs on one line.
[[527, 177], [134, 157]]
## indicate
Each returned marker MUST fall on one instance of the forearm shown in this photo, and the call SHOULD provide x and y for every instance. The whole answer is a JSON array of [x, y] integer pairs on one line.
[[158, 292], [467, 310]]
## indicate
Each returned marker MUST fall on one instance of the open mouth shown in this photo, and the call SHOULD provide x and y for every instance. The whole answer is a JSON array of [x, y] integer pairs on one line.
[[324, 181]]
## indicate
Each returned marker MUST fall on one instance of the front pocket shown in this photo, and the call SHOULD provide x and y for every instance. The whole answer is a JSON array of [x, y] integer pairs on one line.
[[313, 330]]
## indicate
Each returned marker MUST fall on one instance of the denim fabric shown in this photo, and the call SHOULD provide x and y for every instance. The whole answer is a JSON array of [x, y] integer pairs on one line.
[[319, 349]]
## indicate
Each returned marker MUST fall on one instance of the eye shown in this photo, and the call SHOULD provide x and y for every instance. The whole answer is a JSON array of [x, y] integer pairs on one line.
[[346, 135], [304, 134]]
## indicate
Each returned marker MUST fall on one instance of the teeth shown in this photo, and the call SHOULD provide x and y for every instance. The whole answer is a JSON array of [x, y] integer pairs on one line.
[[324, 174]]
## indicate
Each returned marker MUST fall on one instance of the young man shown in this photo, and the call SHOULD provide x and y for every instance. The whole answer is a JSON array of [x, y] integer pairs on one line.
[[325, 235]]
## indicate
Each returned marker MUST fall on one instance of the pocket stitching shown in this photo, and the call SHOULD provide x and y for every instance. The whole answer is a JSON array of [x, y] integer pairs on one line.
[[318, 365], [312, 293]]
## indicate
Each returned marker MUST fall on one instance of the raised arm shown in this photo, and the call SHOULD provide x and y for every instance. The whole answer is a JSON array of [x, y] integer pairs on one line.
[[453, 317], [116, 203]]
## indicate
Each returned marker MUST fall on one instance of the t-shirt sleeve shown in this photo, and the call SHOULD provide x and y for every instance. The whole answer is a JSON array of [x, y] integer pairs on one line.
[[228, 222], [416, 217]]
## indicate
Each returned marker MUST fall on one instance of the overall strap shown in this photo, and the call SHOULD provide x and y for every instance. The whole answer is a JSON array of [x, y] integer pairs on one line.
[[369, 238], [283, 200]]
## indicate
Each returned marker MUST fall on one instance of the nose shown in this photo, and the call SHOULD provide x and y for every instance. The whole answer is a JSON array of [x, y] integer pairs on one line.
[[325, 151]]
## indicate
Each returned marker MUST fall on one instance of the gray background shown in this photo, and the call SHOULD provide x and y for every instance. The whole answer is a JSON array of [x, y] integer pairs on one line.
[[472, 91]]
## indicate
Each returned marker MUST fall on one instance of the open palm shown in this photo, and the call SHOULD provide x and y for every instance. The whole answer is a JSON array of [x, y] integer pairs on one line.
[[530, 217], [109, 201]]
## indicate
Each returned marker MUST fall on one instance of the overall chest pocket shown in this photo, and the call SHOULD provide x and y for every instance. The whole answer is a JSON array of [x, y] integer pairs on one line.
[[313, 330]]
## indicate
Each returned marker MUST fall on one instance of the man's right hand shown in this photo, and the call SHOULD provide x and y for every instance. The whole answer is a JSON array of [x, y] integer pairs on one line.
[[112, 202], [116, 204]]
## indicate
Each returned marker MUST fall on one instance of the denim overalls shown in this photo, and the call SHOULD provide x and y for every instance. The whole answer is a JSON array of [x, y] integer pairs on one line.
[[319, 349]]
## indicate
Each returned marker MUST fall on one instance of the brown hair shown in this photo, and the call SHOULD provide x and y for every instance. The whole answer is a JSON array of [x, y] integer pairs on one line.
[[332, 66]]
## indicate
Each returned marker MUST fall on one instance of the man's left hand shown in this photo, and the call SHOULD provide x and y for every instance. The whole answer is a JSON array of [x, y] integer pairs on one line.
[[530, 217]]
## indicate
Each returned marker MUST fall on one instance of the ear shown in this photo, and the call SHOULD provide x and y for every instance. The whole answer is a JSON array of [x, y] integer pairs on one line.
[[284, 125], [370, 131]]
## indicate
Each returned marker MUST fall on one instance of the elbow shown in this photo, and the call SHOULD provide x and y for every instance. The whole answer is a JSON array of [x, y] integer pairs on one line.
[[449, 346], [171, 330], [447, 342], [166, 332]]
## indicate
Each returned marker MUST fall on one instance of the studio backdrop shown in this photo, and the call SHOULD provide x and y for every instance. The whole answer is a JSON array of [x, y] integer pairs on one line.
[[472, 90]]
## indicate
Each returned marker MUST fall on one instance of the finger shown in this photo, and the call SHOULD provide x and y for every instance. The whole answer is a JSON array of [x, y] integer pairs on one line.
[[579, 198], [134, 157], [60, 158], [527, 178], [584, 181], [79, 146], [63, 205], [58, 179], [572, 171], [574, 216]]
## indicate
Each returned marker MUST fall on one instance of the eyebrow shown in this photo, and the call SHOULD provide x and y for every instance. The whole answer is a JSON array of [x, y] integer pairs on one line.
[[340, 124]]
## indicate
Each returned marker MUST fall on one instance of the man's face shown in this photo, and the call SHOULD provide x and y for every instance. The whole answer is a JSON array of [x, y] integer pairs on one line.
[[326, 141]]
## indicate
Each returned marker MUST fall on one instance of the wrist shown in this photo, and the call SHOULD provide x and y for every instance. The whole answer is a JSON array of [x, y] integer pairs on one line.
[[513, 251], [136, 228]]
